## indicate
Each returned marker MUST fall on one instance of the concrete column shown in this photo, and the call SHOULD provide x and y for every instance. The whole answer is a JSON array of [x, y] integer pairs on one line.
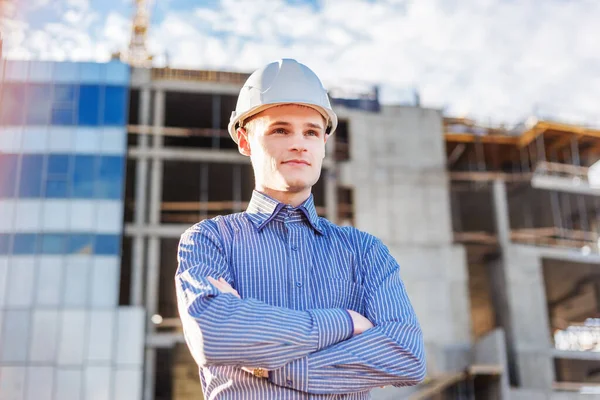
[[331, 197], [501, 212], [156, 177], [529, 317], [137, 256], [518, 294], [331, 183], [153, 260], [216, 118], [237, 188], [149, 378], [497, 271]]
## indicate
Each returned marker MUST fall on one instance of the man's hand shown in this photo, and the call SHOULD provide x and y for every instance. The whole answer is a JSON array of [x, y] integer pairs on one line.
[[223, 286], [361, 324]]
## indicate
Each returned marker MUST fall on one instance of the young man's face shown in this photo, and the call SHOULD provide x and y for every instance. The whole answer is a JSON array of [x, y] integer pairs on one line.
[[286, 145]]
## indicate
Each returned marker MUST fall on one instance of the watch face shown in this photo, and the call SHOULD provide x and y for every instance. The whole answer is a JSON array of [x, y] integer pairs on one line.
[[258, 372]]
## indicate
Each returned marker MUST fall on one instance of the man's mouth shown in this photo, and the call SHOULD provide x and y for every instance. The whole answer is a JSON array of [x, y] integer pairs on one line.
[[296, 162]]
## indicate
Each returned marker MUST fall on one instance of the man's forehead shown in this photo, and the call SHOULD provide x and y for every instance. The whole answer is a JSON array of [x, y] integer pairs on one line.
[[291, 113]]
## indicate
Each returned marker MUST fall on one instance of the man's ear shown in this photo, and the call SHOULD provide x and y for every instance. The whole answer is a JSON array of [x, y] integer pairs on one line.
[[325, 152], [243, 143]]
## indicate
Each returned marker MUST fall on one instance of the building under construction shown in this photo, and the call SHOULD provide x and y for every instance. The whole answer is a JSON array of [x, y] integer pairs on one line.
[[496, 232]]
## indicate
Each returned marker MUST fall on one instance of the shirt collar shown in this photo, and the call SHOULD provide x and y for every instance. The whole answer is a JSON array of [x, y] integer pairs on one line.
[[262, 209]]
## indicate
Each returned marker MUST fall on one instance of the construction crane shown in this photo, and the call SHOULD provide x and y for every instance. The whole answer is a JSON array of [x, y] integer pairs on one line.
[[137, 54]]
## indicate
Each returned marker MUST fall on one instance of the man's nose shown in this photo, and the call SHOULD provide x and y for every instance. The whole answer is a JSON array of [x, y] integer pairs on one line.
[[297, 142]]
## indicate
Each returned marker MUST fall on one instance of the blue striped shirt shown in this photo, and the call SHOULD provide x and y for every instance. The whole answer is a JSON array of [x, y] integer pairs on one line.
[[297, 274]]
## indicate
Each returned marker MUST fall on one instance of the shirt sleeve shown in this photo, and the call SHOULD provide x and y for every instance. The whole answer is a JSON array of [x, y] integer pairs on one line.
[[390, 353], [221, 329]]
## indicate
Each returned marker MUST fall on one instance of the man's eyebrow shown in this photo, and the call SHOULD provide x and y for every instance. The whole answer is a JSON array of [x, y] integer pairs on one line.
[[280, 123], [312, 125], [308, 124]]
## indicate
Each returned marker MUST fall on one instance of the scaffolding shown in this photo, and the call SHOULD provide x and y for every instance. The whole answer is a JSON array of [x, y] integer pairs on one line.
[[546, 163]]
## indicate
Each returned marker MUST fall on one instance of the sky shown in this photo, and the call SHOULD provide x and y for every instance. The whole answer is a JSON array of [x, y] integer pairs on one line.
[[497, 61]]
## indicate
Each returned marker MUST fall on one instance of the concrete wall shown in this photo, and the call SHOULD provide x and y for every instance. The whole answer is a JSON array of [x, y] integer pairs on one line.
[[401, 195], [529, 317]]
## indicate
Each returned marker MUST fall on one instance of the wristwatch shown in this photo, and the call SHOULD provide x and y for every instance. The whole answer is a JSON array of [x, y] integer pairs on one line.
[[259, 372]]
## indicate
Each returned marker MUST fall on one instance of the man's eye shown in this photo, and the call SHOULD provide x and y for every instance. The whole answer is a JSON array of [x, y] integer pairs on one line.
[[312, 133], [279, 131]]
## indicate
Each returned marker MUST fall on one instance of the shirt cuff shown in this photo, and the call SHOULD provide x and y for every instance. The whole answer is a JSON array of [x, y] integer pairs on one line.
[[334, 325], [293, 375], [351, 323]]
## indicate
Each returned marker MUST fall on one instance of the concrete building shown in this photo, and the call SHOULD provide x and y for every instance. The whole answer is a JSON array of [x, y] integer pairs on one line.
[[496, 233]]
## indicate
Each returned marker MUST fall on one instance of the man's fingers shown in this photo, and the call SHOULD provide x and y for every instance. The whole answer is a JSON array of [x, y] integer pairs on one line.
[[223, 286], [220, 282], [214, 282]]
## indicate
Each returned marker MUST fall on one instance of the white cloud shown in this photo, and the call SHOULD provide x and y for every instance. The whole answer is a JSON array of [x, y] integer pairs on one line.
[[116, 30], [78, 4], [36, 4], [487, 59]]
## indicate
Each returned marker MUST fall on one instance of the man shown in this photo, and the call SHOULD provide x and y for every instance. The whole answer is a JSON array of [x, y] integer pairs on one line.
[[276, 302]]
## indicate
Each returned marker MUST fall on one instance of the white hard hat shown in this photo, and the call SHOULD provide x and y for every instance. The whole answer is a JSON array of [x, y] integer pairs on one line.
[[281, 82]]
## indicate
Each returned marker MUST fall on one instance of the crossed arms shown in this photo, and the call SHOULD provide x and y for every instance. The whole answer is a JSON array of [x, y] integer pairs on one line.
[[313, 351]]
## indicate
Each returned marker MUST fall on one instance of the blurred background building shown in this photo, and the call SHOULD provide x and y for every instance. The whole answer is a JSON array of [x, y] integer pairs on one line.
[[104, 165]]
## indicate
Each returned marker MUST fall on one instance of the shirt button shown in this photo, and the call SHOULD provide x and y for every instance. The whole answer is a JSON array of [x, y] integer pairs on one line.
[[289, 382], [294, 247], [299, 284]]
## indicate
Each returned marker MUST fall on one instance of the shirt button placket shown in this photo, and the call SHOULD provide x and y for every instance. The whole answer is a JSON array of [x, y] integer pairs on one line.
[[298, 273]]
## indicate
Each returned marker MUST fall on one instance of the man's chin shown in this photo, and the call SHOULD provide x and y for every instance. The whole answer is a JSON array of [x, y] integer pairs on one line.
[[295, 186]]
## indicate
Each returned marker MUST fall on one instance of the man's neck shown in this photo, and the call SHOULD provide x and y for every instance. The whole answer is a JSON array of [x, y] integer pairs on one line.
[[294, 199]]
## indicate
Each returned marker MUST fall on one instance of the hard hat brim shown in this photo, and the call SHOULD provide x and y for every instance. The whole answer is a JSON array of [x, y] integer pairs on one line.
[[330, 117]]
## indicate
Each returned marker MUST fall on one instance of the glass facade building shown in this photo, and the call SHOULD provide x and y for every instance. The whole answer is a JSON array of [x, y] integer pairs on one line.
[[63, 142]]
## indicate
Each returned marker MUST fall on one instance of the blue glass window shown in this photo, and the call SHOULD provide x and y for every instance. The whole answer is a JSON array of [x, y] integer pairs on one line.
[[90, 72], [115, 105], [117, 72], [39, 104], [89, 105], [64, 94], [80, 244], [58, 164], [13, 104], [8, 174], [56, 188], [4, 243], [65, 100], [108, 245], [63, 116], [53, 243], [30, 183], [84, 177], [25, 243], [110, 177]]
